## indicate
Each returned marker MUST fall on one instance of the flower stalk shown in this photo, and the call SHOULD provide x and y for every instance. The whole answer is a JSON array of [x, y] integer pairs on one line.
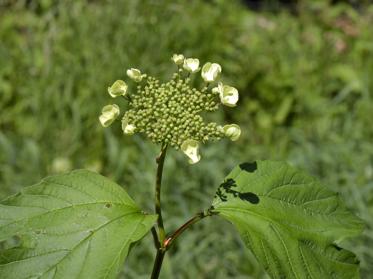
[[158, 183], [158, 240]]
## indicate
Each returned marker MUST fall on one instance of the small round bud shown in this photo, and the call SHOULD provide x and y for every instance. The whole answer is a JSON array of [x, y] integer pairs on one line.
[[232, 131]]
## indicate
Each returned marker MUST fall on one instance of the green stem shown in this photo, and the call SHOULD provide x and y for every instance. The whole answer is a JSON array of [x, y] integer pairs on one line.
[[157, 244], [166, 244], [158, 240], [158, 263], [158, 182], [161, 243]]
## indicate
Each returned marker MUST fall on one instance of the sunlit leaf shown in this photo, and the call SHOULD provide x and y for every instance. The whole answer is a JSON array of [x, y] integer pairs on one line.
[[289, 220], [77, 225]]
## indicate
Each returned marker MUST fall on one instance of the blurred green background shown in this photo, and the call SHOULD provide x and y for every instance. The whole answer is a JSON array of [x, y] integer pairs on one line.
[[304, 71]]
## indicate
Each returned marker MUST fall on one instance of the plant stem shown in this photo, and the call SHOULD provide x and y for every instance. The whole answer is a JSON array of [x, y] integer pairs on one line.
[[161, 243], [158, 263], [166, 244], [158, 240], [199, 216], [155, 238], [158, 182]]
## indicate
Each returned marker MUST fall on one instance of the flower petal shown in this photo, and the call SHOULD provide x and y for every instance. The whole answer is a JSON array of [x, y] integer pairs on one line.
[[191, 65], [108, 114], [210, 71], [119, 88], [178, 59], [190, 148], [134, 74], [128, 128], [228, 96]]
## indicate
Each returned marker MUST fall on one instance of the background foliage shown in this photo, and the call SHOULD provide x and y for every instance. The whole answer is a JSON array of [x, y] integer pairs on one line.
[[305, 79]]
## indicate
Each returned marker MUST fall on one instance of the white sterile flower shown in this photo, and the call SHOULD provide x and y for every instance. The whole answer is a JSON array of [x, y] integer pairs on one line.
[[178, 59], [128, 128], [228, 94], [119, 88], [134, 74], [210, 71], [109, 114], [190, 148], [232, 131], [191, 65]]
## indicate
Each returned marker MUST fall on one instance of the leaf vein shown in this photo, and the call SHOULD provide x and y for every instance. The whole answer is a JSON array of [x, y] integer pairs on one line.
[[286, 249], [87, 238], [59, 209]]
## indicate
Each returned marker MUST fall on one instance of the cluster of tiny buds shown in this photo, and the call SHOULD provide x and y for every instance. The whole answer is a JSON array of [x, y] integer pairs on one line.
[[170, 113]]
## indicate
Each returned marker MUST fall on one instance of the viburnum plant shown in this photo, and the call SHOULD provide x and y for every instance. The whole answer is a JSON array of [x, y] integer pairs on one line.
[[82, 225]]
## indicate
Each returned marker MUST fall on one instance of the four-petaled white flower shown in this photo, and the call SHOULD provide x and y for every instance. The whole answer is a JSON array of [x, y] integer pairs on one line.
[[119, 88], [128, 128], [178, 59], [134, 74], [210, 71], [191, 65], [108, 114], [228, 94], [190, 148], [232, 131]]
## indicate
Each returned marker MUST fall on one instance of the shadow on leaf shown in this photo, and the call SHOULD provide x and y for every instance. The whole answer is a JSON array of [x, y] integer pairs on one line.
[[226, 188]]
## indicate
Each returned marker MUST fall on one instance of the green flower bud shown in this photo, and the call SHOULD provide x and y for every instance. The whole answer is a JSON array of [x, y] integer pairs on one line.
[[232, 131], [134, 74], [218, 89], [190, 148], [178, 59], [119, 88], [191, 65], [108, 114], [228, 94], [128, 128], [210, 71]]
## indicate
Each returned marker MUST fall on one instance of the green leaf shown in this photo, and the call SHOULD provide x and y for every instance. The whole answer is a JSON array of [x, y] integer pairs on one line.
[[289, 220], [77, 225]]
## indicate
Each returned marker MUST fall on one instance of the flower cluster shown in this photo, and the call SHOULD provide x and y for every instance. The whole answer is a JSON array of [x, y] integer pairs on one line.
[[170, 113]]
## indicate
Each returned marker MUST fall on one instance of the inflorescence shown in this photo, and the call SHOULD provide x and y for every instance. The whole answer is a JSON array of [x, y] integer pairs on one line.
[[170, 113]]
